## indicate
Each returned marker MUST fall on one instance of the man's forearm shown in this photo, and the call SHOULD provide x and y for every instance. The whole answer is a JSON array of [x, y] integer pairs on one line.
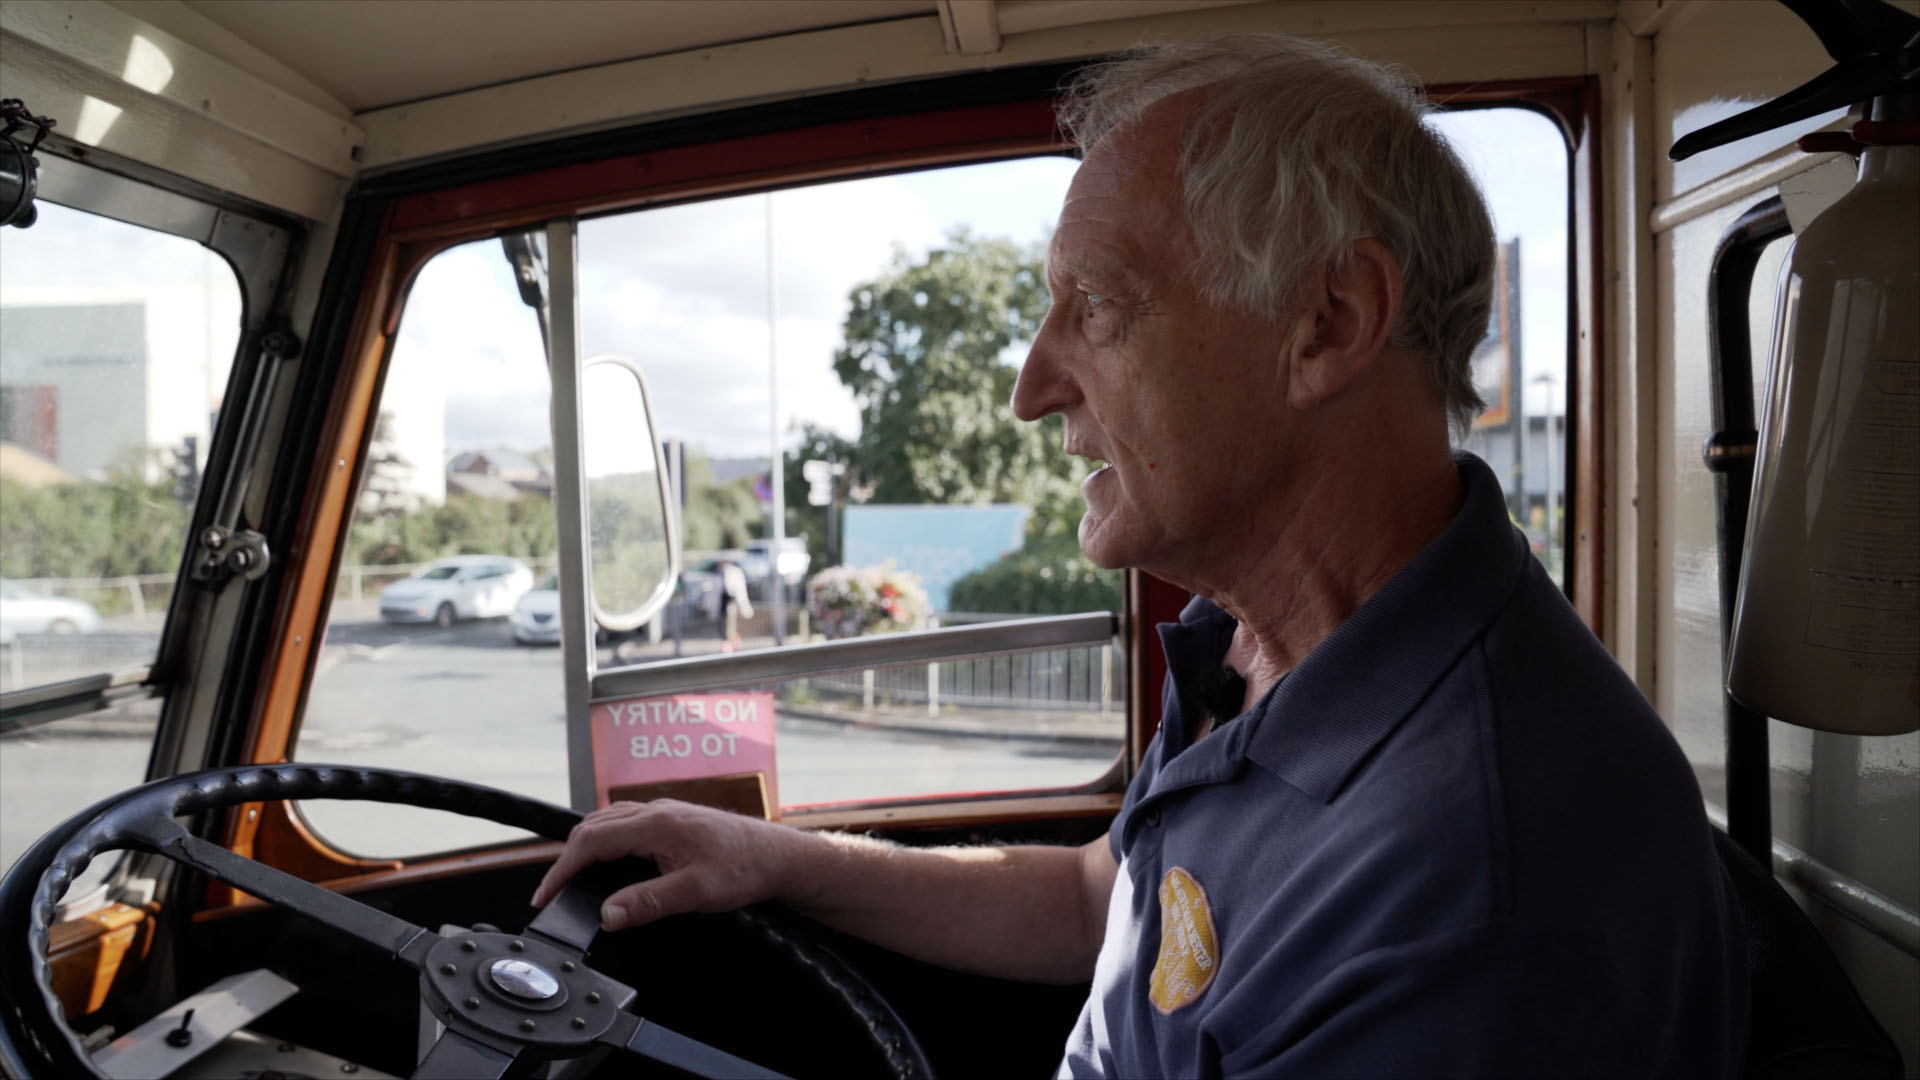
[[1030, 912]]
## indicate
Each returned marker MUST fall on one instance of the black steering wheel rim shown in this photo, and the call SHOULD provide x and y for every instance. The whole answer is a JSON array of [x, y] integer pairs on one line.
[[32, 1023]]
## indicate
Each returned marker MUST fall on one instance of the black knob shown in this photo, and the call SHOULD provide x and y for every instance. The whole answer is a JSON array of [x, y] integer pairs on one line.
[[181, 1035]]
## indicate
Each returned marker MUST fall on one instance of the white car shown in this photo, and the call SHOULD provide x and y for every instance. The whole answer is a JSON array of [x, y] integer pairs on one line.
[[536, 618], [23, 611], [794, 562], [462, 587]]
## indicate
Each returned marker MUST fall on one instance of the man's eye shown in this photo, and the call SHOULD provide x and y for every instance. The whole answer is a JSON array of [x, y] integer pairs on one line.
[[1093, 300]]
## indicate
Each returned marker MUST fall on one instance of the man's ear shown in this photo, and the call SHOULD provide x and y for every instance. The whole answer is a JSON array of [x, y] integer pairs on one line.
[[1343, 324]]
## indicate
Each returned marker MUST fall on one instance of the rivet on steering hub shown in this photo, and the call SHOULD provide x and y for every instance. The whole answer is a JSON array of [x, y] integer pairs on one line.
[[472, 1003], [449, 969], [593, 997], [518, 945], [526, 1025], [468, 946], [566, 965], [578, 1022]]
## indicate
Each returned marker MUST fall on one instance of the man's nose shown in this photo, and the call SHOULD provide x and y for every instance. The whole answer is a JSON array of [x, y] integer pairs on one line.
[[1043, 386]]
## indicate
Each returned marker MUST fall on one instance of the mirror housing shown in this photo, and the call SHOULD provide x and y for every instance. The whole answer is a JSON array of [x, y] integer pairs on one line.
[[633, 543]]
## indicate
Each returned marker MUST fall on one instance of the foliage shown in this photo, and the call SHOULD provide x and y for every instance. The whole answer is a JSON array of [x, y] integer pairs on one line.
[[122, 527], [847, 602], [816, 444], [387, 491], [463, 525], [925, 356], [719, 515], [628, 539], [1048, 577]]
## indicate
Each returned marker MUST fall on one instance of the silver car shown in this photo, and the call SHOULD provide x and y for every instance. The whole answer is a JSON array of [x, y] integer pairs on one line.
[[536, 618], [23, 611]]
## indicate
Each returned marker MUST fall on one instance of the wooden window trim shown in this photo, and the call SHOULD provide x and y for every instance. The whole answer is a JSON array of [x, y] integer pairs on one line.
[[416, 227]]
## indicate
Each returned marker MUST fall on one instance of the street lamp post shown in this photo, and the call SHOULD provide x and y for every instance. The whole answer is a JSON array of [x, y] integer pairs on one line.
[[1547, 382]]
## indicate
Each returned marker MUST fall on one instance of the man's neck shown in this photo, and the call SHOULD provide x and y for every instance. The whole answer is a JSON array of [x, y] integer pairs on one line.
[[1329, 551]]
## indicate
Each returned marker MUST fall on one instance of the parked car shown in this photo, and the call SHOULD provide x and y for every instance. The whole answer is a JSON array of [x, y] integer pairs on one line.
[[794, 562], [461, 587], [536, 618], [23, 611]]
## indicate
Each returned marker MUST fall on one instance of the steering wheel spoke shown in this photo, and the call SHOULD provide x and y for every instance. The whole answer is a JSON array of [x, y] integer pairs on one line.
[[394, 935], [655, 1043], [504, 998], [457, 1056], [571, 920]]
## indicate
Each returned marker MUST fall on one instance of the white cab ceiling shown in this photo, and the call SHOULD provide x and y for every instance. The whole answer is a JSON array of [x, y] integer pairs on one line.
[[369, 54]]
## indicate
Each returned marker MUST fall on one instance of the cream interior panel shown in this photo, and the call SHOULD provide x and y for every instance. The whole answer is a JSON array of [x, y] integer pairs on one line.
[[103, 112], [1508, 42], [174, 17], [1715, 58], [148, 61], [1629, 361]]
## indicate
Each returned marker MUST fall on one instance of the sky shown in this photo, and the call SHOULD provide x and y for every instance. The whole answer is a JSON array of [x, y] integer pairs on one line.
[[682, 291]]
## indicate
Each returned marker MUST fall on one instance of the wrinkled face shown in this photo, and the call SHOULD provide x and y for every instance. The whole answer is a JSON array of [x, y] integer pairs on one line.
[[1180, 404]]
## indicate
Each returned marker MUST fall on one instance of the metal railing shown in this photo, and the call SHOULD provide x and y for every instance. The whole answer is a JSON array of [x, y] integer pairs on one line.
[[855, 654], [1085, 679]]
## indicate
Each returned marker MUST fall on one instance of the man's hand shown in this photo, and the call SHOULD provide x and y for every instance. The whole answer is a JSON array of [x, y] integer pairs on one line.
[[1026, 912], [710, 860]]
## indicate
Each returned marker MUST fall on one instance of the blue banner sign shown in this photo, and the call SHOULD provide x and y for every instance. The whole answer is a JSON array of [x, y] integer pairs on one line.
[[938, 544]]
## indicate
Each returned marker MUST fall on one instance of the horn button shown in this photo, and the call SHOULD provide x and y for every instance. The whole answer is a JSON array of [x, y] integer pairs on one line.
[[520, 987]]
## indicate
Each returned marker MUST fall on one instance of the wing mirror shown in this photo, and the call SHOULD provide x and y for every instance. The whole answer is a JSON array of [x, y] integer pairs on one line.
[[633, 541]]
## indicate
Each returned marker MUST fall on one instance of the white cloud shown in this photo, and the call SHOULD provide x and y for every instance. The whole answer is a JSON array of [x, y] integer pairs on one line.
[[1519, 159], [683, 290]]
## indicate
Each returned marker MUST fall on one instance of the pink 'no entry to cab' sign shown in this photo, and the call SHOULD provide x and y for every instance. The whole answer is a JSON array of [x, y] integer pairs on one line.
[[683, 737]]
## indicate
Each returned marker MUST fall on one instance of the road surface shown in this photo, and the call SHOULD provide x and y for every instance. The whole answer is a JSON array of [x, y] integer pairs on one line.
[[466, 702]]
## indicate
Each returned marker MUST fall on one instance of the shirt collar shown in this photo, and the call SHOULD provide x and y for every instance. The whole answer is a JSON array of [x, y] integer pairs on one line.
[[1315, 727]]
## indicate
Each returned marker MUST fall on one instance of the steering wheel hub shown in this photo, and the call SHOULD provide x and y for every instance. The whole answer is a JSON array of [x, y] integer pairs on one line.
[[524, 979]]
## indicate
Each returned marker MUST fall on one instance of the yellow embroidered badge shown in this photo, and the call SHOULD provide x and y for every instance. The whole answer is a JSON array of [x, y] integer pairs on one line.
[[1189, 950]]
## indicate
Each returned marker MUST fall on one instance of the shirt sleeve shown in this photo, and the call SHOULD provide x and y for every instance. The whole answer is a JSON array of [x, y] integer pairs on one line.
[[1494, 1000]]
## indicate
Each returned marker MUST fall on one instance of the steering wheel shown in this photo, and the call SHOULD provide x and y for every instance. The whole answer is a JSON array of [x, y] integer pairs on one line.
[[503, 998]]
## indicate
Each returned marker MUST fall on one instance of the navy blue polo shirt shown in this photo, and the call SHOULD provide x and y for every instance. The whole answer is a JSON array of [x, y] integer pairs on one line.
[[1455, 841]]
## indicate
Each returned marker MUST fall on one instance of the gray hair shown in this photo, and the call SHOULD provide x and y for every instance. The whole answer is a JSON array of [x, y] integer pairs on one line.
[[1298, 152]]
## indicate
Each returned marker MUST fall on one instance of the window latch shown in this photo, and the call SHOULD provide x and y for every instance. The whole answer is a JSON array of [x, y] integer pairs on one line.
[[223, 554]]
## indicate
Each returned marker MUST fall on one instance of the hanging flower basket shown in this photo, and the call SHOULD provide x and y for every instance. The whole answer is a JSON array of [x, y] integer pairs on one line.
[[847, 602]]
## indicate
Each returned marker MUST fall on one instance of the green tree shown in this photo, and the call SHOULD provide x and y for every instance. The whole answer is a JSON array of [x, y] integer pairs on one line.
[[385, 493], [1047, 577], [719, 515], [926, 357], [125, 525]]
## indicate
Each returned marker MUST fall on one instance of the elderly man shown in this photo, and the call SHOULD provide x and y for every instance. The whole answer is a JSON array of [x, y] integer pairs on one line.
[[1404, 817]]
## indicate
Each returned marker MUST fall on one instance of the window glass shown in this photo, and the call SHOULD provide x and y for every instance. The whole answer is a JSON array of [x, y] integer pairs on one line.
[[1524, 367], [115, 347], [871, 378], [422, 667]]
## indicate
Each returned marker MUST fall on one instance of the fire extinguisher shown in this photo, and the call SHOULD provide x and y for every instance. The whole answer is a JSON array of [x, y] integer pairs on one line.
[[1826, 630]]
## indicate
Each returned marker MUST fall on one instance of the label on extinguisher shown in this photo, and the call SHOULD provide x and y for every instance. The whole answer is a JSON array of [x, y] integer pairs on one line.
[[1865, 600]]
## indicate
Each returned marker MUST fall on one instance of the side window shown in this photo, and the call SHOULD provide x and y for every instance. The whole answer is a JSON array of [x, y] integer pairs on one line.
[[1524, 368], [115, 347], [423, 667], [863, 386]]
